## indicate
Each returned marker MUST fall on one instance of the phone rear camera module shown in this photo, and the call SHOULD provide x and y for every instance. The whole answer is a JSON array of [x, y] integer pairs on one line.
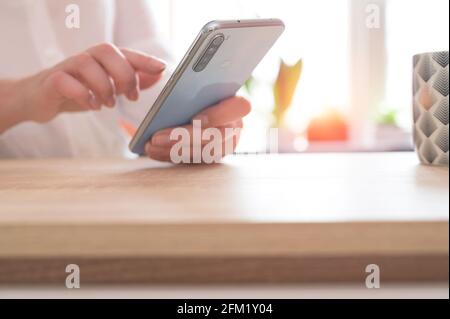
[[209, 53], [218, 40]]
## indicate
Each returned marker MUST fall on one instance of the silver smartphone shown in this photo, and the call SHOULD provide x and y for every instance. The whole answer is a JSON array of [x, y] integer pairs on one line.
[[221, 59]]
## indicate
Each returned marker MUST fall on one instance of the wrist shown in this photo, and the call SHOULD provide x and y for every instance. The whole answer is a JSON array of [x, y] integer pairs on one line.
[[20, 100], [12, 105]]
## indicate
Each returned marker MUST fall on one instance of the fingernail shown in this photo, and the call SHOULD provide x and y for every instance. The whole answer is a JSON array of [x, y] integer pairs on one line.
[[159, 64], [111, 101], [202, 118], [95, 104], [133, 95], [160, 139]]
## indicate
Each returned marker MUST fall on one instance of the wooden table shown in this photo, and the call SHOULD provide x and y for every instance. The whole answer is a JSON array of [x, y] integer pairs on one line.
[[259, 218]]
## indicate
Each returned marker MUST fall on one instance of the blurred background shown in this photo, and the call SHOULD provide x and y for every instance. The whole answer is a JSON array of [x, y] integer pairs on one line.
[[339, 79]]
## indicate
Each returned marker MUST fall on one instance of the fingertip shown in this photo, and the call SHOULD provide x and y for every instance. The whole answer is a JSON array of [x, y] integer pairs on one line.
[[94, 103], [157, 153], [144, 62], [161, 139], [133, 95], [202, 118], [158, 65], [244, 104], [111, 102]]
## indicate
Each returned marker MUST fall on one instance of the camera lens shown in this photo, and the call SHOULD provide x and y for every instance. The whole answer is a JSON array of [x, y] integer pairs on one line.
[[200, 67], [218, 40]]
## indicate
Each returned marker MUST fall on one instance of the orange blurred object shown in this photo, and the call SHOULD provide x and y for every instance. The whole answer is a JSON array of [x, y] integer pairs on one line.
[[330, 126], [127, 127]]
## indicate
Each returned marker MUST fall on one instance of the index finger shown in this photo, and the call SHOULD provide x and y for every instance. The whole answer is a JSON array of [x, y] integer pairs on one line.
[[143, 62]]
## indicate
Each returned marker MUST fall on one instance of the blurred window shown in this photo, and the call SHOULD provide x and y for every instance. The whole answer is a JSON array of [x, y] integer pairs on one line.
[[330, 36]]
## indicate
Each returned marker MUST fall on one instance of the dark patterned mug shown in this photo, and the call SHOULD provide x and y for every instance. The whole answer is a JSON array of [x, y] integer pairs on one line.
[[430, 107]]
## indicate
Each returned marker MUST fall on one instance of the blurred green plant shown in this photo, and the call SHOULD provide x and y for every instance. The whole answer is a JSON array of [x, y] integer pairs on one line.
[[388, 117], [249, 85]]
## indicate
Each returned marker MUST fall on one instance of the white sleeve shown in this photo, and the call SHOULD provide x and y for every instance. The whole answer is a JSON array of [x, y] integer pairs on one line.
[[134, 28]]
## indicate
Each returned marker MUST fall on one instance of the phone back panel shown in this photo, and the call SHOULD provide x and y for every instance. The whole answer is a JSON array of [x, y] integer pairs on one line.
[[243, 49]]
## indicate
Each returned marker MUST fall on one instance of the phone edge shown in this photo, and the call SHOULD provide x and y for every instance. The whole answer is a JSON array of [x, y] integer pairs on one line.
[[168, 87]]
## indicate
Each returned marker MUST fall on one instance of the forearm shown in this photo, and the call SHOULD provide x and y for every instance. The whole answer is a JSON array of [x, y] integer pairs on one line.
[[11, 105]]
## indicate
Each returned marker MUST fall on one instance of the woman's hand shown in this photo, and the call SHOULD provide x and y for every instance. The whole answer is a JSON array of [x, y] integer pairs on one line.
[[88, 81], [226, 114]]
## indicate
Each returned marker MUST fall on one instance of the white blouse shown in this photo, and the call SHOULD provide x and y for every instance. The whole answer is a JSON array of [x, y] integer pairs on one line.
[[34, 36]]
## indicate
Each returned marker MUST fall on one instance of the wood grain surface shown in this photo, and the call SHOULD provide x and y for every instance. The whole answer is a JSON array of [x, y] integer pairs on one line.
[[259, 218]]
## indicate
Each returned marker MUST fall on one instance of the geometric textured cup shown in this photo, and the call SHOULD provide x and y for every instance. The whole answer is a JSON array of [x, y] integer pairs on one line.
[[430, 107]]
